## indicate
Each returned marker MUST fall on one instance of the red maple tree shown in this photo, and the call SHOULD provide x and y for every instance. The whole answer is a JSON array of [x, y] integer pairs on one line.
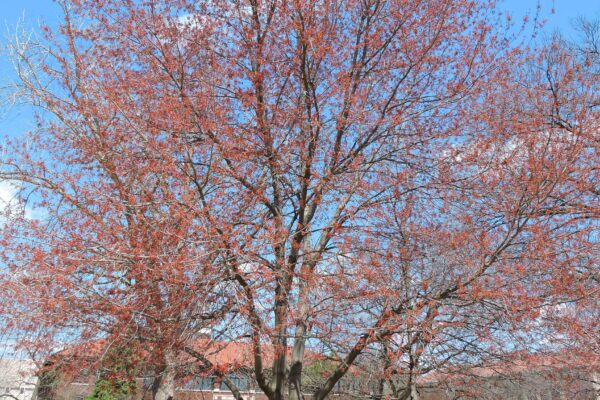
[[328, 174]]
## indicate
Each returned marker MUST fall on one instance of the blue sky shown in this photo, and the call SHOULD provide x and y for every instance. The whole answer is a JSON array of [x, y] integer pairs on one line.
[[565, 10], [559, 14], [16, 120]]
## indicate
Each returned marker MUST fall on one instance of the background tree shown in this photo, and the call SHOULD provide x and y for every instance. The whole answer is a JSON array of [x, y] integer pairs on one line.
[[543, 149], [117, 377]]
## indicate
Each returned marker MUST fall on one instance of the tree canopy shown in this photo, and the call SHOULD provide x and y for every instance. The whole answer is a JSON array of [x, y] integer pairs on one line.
[[387, 180]]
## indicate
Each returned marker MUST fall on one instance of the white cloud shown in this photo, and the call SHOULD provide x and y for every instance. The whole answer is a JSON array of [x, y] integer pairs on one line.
[[10, 203], [8, 196]]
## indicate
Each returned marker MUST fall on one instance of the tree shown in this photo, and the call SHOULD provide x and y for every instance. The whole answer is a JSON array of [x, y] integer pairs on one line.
[[117, 379], [328, 174], [118, 247]]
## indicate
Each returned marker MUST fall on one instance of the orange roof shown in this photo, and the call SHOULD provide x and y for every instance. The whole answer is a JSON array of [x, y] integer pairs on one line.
[[519, 364], [222, 354], [240, 354]]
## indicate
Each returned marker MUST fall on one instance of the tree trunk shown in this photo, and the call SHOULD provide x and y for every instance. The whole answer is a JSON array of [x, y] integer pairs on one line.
[[164, 384], [295, 378], [280, 344], [414, 394], [302, 328], [166, 388]]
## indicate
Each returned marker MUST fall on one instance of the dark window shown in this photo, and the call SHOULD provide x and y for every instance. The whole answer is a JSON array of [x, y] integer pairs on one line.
[[205, 383], [147, 383], [239, 381], [83, 376]]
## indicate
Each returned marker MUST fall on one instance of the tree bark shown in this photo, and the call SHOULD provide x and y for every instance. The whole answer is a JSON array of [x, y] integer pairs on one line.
[[279, 347], [295, 377], [164, 384], [297, 362]]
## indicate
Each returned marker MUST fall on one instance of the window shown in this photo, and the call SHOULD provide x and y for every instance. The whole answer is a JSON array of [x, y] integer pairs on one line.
[[240, 382], [204, 383], [83, 376], [147, 383]]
